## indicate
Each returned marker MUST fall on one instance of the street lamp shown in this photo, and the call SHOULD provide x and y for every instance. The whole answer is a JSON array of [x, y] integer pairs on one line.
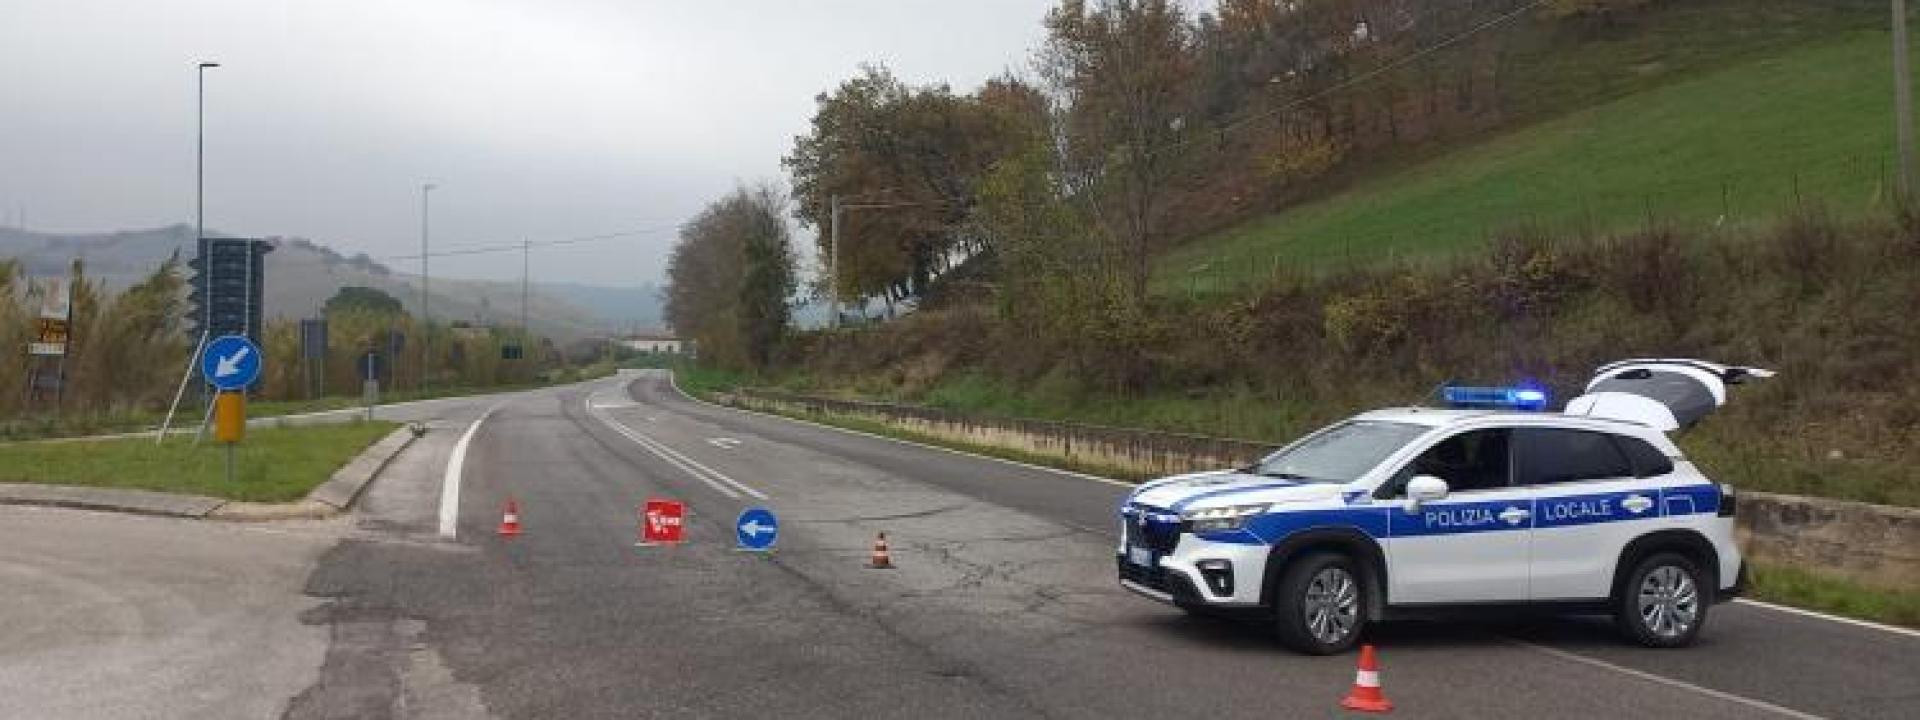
[[426, 317], [200, 183]]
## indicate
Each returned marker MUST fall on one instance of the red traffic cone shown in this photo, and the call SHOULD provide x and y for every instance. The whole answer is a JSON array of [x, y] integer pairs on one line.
[[510, 519], [1366, 695], [881, 559]]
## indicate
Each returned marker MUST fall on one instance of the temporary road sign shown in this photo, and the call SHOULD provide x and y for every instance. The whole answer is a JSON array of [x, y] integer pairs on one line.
[[231, 362], [662, 521], [756, 528]]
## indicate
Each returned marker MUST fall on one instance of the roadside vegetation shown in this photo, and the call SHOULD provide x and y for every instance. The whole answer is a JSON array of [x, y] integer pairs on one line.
[[273, 464], [1799, 588], [1264, 216], [128, 350]]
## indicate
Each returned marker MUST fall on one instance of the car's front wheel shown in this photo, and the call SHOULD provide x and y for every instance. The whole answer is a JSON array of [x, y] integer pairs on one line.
[[1319, 604], [1664, 601]]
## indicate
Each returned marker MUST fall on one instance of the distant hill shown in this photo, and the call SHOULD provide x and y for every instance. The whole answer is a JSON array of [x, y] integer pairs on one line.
[[302, 274], [625, 308]]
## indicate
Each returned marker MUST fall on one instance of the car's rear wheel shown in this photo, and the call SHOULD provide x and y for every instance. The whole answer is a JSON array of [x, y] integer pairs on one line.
[[1319, 604], [1664, 601]]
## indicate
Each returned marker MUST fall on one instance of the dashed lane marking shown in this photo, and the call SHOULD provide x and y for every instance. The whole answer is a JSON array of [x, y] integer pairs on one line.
[[715, 479]]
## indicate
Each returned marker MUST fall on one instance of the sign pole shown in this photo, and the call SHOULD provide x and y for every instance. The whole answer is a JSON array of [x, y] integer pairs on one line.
[[192, 360]]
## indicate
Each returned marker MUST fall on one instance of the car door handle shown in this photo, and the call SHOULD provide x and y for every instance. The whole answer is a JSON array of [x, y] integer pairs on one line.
[[1514, 515]]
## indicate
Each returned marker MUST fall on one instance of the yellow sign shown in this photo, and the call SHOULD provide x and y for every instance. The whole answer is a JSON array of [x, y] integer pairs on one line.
[[229, 417]]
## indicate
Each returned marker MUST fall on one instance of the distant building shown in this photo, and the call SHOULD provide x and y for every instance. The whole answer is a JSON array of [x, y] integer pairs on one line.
[[651, 343]]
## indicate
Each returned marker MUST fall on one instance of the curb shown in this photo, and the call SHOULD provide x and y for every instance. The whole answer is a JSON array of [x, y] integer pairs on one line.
[[331, 497], [328, 499], [138, 502]]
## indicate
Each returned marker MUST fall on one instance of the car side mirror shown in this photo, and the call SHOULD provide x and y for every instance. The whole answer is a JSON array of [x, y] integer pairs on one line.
[[1424, 489]]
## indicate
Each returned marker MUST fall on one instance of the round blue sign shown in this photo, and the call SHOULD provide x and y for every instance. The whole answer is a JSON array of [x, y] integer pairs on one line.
[[756, 528], [231, 362]]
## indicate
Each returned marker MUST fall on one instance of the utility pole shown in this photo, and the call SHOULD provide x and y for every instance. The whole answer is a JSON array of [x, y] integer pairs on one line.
[[426, 317], [833, 264], [1902, 105]]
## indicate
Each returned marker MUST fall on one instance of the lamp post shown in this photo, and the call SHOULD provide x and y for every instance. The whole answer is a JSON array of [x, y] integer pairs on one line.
[[200, 181], [426, 316]]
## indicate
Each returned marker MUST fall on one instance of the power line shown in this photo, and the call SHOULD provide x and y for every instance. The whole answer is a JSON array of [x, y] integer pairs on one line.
[[1383, 69], [518, 246]]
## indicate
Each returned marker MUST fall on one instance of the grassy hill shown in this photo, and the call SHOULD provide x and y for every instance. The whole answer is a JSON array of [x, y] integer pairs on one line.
[[1732, 146]]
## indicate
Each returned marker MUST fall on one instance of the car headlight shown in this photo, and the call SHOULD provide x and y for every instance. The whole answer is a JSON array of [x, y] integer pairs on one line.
[[1217, 519]]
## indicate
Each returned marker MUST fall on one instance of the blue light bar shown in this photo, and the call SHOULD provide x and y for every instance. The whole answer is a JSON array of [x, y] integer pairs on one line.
[[1517, 398]]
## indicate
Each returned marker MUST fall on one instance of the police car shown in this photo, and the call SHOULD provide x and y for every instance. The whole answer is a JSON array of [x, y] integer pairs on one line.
[[1487, 502]]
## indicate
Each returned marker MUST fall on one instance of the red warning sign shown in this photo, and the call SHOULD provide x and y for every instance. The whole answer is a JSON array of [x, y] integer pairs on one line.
[[661, 522]]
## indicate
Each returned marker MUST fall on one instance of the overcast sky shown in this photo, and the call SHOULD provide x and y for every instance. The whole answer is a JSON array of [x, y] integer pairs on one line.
[[539, 119]]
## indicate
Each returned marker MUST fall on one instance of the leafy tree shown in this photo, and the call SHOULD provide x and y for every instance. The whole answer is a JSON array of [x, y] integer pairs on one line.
[[354, 297], [730, 277], [13, 336], [918, 151], [1127, 68]]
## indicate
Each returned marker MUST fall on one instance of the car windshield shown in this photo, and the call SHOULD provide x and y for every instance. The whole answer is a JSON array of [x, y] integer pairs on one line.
[[1339, 453]]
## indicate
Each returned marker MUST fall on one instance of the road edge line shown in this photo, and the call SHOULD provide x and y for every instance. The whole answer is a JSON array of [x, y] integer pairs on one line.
[[450, 482], [1669, 682], [1868, 624], [675, 384]]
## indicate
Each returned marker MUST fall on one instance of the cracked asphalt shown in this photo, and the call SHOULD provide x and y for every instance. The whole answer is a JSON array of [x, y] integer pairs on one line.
[[1003, 603]]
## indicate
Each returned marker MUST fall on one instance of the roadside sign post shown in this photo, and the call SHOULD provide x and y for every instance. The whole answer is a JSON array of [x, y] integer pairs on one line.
[[756, 529], [662, 522], [370, 380], [230, 364], [229, 422]]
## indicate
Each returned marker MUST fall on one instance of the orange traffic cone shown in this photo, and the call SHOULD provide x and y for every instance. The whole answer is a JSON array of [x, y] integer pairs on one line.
[[1366, 695], [510, 519], [881, 560]]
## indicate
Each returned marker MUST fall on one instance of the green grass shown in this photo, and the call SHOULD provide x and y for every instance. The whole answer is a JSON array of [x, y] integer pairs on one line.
[[272, 464], [1813, 122], [72, 425], [1800, 588]]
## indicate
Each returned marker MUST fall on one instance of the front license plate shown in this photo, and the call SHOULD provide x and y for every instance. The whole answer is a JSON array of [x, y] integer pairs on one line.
[[1140, 556]]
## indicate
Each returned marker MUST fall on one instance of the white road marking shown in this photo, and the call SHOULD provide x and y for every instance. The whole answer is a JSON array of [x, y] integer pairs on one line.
[[450, 485], [1909, 632], [950, 451], [1761, 705], [1110, 481], [723, 442], [713, 478]]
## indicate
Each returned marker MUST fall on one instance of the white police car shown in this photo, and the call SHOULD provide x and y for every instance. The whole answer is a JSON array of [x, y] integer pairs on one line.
[[1486, 503]]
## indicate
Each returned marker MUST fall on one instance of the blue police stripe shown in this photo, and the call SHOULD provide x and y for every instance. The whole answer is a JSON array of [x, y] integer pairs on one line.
[[1458, 518], [1454, 518], [1273, 527], [1188, 502], [1591, 508], [1690, 500]]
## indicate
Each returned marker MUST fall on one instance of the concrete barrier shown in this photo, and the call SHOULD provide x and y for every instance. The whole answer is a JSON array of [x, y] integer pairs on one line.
[[1874, 545]]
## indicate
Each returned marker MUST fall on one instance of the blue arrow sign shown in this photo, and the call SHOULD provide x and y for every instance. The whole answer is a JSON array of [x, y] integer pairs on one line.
[[231, 362], [756, 528]]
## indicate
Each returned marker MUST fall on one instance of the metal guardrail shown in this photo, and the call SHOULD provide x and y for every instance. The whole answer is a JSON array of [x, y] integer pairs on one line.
[[1144, 450]]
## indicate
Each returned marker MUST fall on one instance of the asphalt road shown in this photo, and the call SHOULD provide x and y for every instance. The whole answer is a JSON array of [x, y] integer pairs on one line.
[[1003, 604]]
